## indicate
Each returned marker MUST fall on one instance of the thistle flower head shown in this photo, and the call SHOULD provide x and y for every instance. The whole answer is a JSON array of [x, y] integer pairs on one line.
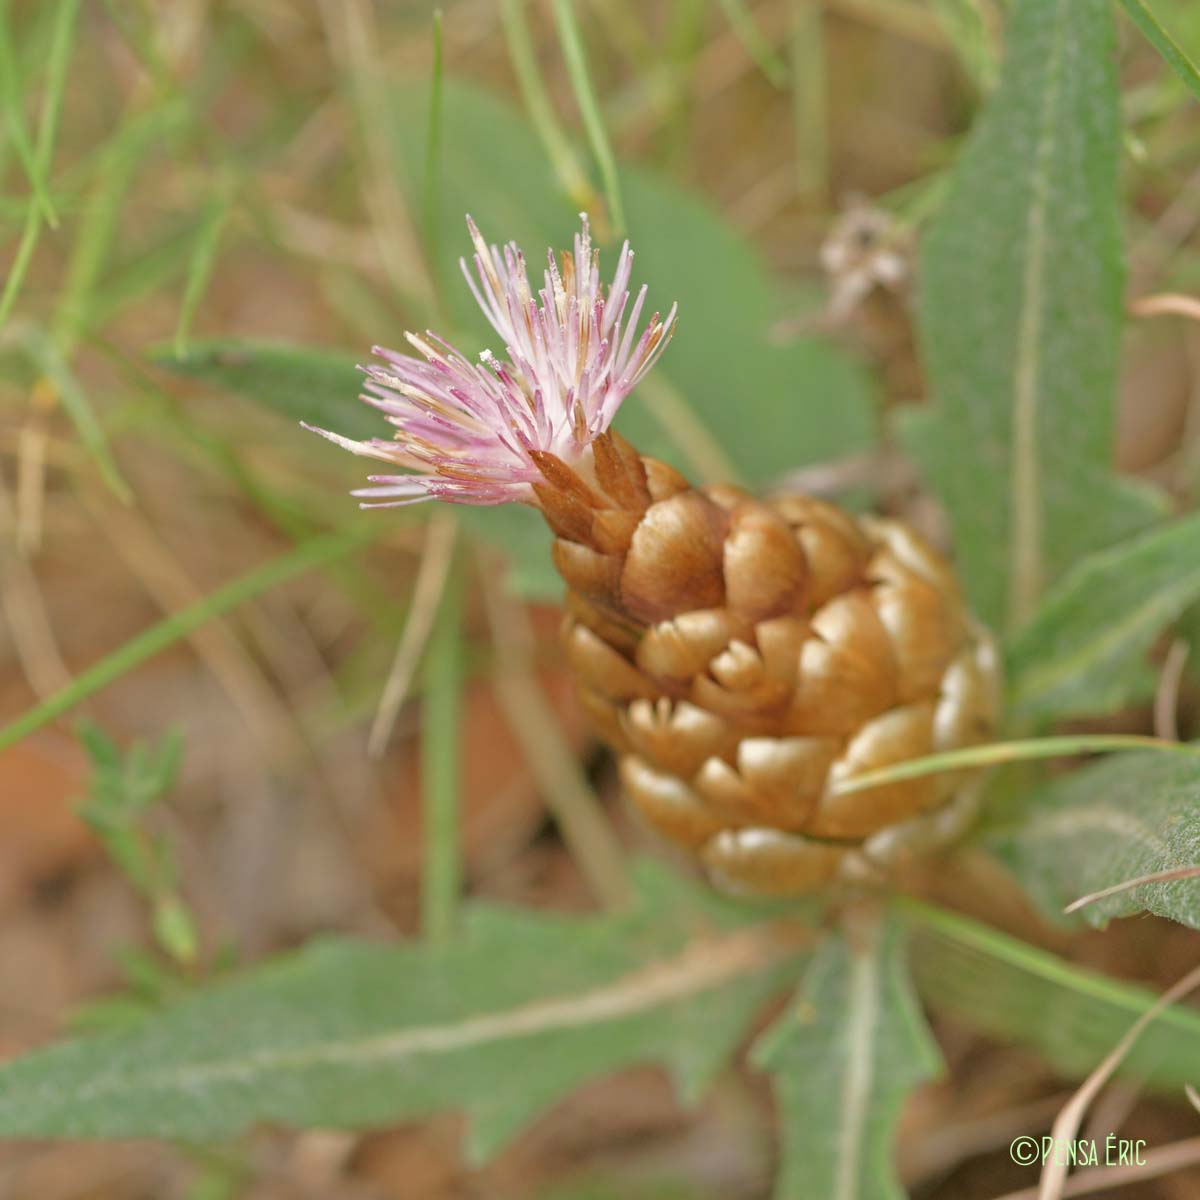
[[472, 432]]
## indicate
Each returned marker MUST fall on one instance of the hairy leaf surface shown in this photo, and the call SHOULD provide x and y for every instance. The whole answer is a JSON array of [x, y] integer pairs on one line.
[[1084, 652], [1116, 820], [301, 383], [500, 1023], [1020, 315], [1072, 1016], [842, 1057]]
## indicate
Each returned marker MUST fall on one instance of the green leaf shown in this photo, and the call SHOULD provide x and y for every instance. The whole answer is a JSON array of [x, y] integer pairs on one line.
[[574, 54], [1072, 1016], [1113, 821], [769, 408], [1020, 318], [302, 383], [175, 929], [501, 1023], [124, 787], [843, 1057], [1173, 54], [1084, 651]]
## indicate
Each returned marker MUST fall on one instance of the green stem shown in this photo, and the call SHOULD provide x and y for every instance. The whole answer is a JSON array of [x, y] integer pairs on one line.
[[204, 257], [1033, 960], [810, 107], [1006, 752], [571, 39], [540, 108], [158, 637], [1172, 53], [18, 135], [433, 164], [754, 41], [441, 880], [56, 74]]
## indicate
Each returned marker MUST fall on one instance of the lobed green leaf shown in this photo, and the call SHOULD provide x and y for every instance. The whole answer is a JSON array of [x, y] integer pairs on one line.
[[501, 1023], [843, 1057]]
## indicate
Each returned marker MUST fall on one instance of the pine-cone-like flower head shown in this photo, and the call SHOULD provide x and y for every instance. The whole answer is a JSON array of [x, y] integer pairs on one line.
[[744, 658], [472, 432]]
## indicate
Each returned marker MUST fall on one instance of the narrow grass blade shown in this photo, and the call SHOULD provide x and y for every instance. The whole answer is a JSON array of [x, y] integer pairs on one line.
[[145, 645], [1006, 988], [57, 59], [433, 156], [1008, 752], [11, 100], [754, 42], [540, 108], [59, 56], [810, 109], [69, 391], [354, 39], [441, 879], [203, 259], [437, 557], [965, 26], [571, 38], [1172, 53], [118, 164]]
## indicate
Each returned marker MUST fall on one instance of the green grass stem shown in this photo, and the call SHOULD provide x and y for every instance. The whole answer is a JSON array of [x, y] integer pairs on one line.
[[315, 553]]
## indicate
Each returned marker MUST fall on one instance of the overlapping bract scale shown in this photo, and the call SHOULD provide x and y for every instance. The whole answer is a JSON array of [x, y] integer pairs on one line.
[[743, 657]]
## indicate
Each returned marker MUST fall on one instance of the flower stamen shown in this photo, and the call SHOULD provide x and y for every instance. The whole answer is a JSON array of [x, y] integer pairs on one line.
[[473, 431]]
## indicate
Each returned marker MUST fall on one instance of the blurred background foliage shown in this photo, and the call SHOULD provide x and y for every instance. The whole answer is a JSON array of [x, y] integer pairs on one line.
[[211, 212]]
